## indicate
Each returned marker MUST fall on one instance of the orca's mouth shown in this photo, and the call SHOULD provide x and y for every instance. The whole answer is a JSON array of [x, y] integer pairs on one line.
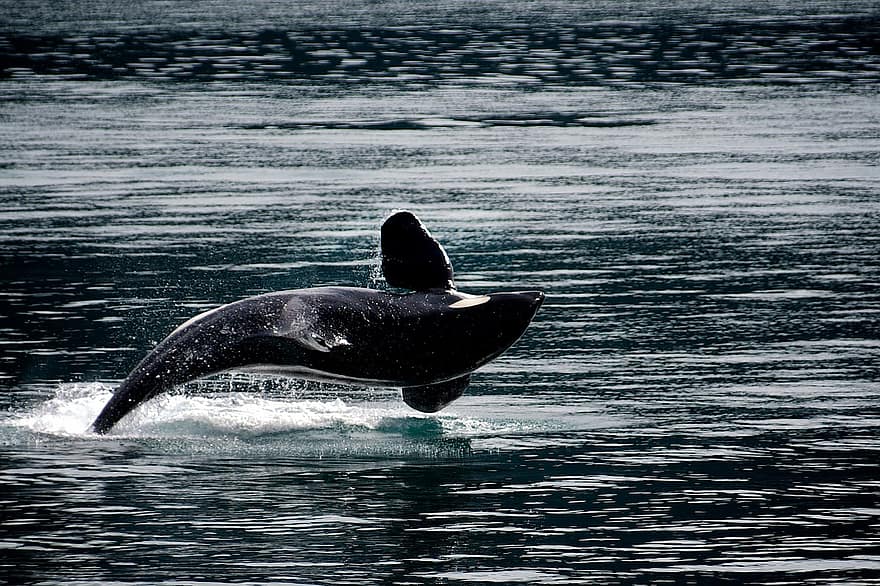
[[537, 301], [538, 298], [533, 299]]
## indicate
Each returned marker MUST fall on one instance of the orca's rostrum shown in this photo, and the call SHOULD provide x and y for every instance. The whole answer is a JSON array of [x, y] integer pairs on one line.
[[427, 342]]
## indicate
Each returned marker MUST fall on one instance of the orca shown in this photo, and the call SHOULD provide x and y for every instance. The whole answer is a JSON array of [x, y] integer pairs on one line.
[[426, 341]]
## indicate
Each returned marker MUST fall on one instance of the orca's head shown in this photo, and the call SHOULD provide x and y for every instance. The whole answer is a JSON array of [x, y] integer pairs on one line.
[[515, 311], [497, 320]]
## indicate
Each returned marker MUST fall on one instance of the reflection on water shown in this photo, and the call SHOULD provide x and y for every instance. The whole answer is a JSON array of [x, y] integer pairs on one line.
[[696, 192], [649, 504], [786, 50]]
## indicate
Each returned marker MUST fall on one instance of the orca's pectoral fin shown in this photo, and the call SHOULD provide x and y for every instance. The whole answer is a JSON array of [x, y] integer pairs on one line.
[[432, 398], [411, 257]]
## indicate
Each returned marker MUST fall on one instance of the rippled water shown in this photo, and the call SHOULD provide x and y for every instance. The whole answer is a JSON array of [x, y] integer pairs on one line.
[[696, 188]]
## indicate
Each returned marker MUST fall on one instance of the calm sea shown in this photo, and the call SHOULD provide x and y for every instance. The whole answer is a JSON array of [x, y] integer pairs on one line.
[[695, 185]]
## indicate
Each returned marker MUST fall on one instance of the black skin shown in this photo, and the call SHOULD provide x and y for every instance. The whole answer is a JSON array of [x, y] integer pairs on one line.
[[362, 336]]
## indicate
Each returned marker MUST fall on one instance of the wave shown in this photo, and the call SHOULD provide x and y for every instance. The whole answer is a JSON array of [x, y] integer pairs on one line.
[[522, 120], [796, 50]]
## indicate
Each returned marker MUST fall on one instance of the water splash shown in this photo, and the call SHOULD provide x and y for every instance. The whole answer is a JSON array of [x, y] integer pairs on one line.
[[244, 415], [376, 279], [218, 415], [67, 414], [74, 406]]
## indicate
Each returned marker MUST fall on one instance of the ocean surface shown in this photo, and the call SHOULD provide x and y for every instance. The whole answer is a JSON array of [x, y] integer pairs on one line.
[[694, 185]]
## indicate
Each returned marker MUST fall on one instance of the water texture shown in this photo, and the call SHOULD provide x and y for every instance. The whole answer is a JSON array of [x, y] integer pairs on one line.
[[696, 188], [616, 53]]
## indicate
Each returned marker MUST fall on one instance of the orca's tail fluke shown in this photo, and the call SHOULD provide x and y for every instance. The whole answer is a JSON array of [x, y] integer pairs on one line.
[[112, 412], [132, 392]]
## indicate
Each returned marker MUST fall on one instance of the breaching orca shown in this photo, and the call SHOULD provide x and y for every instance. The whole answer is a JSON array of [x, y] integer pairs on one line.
[[427, 342]]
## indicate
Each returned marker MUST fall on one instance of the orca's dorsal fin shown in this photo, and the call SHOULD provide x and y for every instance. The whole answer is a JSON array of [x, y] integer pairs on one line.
[[411, 258], [432, 398]]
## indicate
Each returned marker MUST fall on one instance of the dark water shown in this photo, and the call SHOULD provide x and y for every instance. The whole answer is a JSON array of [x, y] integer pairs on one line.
[[696, 187]]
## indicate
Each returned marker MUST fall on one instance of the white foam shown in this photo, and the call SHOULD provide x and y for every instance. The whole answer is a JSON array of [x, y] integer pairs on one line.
[[68, 413], [73, 408], [243, 414], [354, 424]]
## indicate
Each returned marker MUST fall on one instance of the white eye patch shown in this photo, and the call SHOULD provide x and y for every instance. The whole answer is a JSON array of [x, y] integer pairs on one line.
[[469, 302]]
